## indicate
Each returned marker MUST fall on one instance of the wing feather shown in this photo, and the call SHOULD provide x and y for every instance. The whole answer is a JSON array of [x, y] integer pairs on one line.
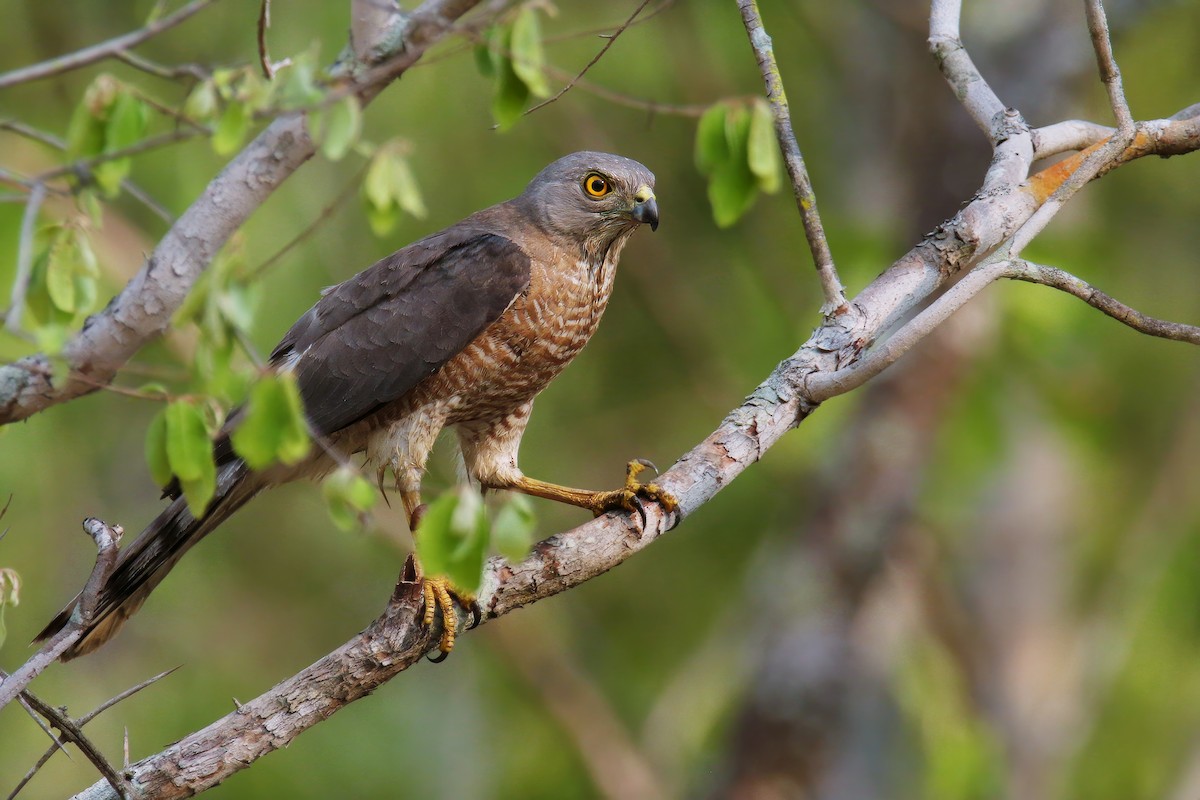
[[372, 339]]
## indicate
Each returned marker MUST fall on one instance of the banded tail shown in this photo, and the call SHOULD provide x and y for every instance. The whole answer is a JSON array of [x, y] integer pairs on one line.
[[142, 565]]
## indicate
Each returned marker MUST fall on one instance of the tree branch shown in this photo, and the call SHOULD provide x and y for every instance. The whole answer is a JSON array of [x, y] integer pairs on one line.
[[959, 70], [806, 198], [107, 540], [1055, 278], [99, 52], [144, 308]]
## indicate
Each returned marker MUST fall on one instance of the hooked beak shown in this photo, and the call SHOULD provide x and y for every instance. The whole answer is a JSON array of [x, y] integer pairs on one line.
[[645, 208]]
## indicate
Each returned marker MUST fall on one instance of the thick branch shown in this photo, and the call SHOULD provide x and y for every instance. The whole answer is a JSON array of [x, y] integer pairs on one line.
[[144, 308], [99, 52]]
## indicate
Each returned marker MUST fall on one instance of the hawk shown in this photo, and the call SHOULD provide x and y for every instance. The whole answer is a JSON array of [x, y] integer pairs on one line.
[[460, 329]]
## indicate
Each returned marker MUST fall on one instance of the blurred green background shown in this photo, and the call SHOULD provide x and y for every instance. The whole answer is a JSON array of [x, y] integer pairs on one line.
[[977, 577]]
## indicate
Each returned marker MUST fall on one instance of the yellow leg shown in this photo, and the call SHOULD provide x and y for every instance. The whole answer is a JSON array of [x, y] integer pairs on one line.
[[438, 593], [628, 497]]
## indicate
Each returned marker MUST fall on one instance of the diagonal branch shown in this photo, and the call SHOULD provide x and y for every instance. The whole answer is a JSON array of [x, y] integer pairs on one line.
[[945, 42], [107, 539], [806, 198], [397, 639], [144, 308], [99, 52]]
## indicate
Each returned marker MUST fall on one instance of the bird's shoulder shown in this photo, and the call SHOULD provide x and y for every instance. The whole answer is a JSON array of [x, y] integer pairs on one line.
[[485, 252]]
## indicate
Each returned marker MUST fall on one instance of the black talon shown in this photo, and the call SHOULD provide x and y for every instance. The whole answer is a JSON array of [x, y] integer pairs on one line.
[[442, 656], [640, 508], [476, 616]]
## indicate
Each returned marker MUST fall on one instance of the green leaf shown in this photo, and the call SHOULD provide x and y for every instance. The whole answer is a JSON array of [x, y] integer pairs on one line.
[[201, 104], [231, 129], [732, 187], [156, 449], [483, 60], [189, 454], [405, 188], [60, 273], [452, 538], [109, 175], [528, 57], [188, 447], [127, 120], [377, 183], [512, 532], [273, 428], [85, 133], [296, 86], [348, 496], [711, 146], [382, 220], [343, 124], [762, 149], [511, 92]]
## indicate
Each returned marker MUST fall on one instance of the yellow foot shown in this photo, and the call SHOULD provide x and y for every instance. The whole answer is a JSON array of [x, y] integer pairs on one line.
[[440, 595], [630, 496]]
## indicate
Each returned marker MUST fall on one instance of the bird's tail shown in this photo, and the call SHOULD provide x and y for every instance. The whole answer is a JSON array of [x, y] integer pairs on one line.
[[143, 564]]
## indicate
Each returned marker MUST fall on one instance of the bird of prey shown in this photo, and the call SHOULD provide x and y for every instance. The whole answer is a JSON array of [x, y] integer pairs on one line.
[[462, 329]]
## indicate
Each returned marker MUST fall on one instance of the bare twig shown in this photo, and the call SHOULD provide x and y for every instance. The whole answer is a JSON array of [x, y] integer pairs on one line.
[[33, 206], [85, 165], [612, 38], [806, 198], [1110, 74], [99, 52], [1072, 134], [1055, 278], [264, 22], [194, 71], [80, 722], [945, 42], [107, 539], [72, 732]]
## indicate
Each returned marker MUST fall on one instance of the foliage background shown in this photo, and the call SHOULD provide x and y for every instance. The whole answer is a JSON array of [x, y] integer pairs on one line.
[[1058, 501]]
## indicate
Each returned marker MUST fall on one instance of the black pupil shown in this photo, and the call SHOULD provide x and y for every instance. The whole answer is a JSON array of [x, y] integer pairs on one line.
[[596, 185]]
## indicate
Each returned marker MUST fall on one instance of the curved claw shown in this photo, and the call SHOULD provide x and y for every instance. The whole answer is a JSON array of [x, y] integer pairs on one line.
[[439, 658], [639, 507], [647, 463]]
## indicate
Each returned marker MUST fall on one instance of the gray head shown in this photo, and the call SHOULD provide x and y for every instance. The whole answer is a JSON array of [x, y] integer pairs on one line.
[[597, 196]]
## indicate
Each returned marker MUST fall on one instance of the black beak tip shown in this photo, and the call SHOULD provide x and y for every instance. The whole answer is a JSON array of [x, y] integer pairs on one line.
[[647, 213]]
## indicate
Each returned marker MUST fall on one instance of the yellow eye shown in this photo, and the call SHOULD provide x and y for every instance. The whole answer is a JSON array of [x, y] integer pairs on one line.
[[596, 185]]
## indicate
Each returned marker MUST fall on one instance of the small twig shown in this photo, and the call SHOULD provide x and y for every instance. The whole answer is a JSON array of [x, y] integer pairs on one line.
[[612, 38], [325, 214], [16, 309], [1055, 278], [194, 71], [23, 699], [143, 197], [85, 165], [806, 198], [107, 540], [30, 132], [264, 22], [1110, 73], [75, 735], [1071, 134], [84, 720], [945, 42], [99, 52]]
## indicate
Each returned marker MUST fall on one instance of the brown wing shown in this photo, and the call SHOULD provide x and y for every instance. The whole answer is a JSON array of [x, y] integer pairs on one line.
[[370, 340]]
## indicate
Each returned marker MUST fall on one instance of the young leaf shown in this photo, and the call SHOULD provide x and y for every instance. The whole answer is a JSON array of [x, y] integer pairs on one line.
[[189, 453], [156, 449], [762, 150], [511, 92], [343, 124], [188, 447], [483, 60], [348, 496], [528, 57], [731, 191], [405, 188], [201, 104], [452, 538], [512, 532], [711, 146], [60, 272], [231, 129], [273, 428], [127, 120]]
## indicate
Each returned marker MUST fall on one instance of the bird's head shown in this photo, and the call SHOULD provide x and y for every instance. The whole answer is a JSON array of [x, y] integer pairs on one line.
[[597, 196]]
